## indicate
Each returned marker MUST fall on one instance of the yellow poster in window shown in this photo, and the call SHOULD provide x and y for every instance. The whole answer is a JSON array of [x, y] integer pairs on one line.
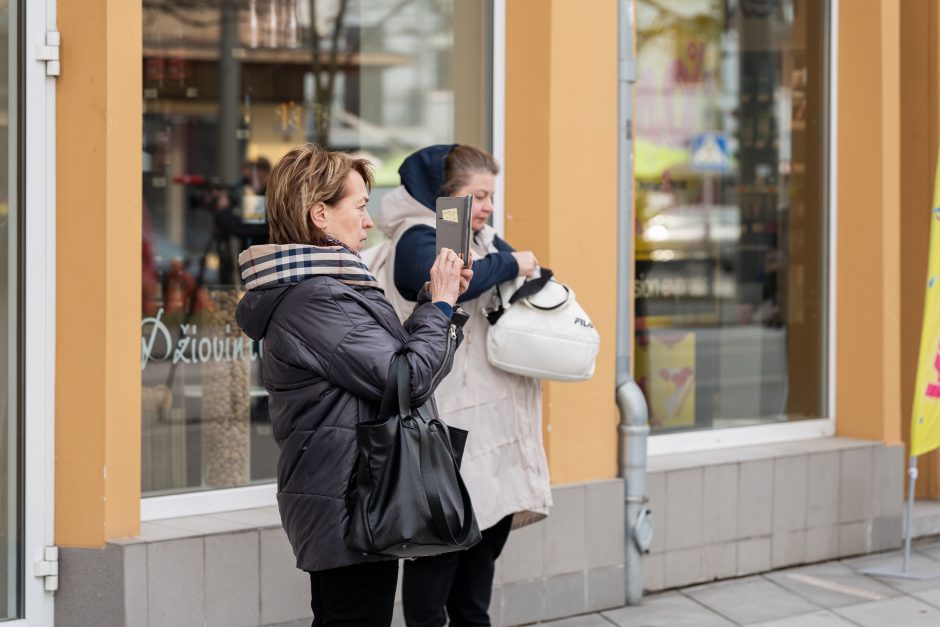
[[925, 425], [665, 370]]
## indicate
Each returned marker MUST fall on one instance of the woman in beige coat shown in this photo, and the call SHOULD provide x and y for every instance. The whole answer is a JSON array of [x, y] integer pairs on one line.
[[504, 464]]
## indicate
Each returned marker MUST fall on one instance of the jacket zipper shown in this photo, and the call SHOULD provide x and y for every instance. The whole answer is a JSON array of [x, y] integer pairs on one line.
[[451, 338]]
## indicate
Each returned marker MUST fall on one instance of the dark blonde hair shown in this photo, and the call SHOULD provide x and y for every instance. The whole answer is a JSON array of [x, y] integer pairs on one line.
[[463, 161], [303, 177]]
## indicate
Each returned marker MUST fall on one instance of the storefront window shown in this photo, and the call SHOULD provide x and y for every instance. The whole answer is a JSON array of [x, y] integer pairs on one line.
[[229, 87], [731, 212]]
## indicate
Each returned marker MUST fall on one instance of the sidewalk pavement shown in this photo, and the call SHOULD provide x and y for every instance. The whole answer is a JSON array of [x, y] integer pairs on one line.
[[830, 593]]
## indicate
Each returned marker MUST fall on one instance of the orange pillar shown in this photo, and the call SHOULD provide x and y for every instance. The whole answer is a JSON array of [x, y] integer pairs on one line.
[[868, 388], [98, 272], [561, 198]]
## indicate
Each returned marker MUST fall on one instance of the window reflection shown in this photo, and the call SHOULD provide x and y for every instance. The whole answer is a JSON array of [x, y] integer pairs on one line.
[[730, 262], [229, 87]]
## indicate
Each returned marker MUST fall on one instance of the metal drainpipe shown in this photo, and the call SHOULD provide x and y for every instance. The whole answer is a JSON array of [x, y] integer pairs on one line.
[[638, 524], [634, 425]]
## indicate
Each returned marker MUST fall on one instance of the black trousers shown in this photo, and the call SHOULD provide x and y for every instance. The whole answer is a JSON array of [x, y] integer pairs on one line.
[[461, 582], [362, 595]]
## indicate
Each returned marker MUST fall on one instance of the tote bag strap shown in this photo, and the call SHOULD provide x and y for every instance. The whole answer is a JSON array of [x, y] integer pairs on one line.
[[429, 480], [396, 399], [399, 384]]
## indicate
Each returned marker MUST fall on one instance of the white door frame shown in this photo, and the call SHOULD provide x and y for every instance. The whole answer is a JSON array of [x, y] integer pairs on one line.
[[38, 385]]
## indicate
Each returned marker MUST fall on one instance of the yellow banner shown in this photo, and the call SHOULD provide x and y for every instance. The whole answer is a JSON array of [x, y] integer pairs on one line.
[[925, 425]]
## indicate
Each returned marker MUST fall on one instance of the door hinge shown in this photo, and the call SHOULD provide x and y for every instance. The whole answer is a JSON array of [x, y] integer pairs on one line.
[[49, 53], [48, 568]]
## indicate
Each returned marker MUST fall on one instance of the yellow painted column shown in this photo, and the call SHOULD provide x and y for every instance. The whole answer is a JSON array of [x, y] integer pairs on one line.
[[98, 272], [561, 198], [868, 328]]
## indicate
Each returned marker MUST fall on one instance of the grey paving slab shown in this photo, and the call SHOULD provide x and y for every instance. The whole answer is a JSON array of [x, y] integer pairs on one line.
[[822, 618], [751, 600], [667, 610], [918, 563], [590, 620], [832, 585], [931, 596], [904, 610]]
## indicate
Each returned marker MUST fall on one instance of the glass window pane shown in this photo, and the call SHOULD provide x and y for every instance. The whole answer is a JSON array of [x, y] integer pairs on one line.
[[229, 87], [731, 211]]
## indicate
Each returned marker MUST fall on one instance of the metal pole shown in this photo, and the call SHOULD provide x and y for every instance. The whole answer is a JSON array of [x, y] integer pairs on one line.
[[912, 478]]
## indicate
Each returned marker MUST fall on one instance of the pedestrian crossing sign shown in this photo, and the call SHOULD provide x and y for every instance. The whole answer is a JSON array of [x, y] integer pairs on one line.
[[710, 153]]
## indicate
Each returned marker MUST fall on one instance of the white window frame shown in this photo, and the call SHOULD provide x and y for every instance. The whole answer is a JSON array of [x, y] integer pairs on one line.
[[39, 308], [201, 502], [708, 439]]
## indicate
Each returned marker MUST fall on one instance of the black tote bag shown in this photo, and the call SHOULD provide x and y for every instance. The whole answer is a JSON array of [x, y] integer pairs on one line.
[[406, 497]]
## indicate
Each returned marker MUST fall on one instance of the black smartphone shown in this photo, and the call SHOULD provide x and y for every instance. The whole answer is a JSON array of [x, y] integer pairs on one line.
[[453, 225]]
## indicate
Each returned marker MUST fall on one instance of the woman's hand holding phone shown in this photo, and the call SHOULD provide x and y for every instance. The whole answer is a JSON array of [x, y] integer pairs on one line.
[[446, 277], [466, 275]]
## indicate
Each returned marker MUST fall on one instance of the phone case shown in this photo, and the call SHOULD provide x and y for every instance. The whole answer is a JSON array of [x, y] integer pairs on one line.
[[453, 225]]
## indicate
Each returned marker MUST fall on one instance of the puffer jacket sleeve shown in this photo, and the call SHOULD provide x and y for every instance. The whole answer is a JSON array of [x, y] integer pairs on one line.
[[358, 350]]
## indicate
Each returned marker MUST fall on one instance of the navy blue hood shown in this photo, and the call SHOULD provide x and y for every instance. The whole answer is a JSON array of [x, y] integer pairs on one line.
[[422, 173]]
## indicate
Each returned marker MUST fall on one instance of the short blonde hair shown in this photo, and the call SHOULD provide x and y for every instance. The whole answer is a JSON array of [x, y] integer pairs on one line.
[[303, 177]]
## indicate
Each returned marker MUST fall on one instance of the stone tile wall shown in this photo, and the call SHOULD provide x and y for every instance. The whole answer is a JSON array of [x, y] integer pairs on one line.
[[718, 514], [730, 513]]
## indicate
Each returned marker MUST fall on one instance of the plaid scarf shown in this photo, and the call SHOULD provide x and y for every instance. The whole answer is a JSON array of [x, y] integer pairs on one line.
[[270, 264]]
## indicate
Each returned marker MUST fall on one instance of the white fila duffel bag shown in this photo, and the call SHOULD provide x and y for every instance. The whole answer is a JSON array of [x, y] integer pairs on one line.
[[539, 330]]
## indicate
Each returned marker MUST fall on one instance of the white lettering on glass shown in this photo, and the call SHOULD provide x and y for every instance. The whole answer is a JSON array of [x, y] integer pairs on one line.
[[157, 344]]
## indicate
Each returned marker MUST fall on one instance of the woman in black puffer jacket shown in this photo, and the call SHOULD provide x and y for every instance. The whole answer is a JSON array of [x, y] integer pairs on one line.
[[329, 337]]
